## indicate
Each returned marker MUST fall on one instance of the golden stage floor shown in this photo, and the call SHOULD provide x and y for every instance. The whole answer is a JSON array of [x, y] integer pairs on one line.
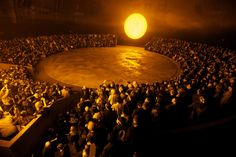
[[91, 66]]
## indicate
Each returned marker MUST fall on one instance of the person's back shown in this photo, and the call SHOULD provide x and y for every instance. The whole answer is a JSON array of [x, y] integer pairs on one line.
[[47, 150]]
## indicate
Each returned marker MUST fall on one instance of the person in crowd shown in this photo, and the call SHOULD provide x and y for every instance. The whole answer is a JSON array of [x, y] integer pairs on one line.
[[226, 96], [48, 150], [73, 135], [198, 105], [65, 92], [7, 126], [62, 150], [5, 98]]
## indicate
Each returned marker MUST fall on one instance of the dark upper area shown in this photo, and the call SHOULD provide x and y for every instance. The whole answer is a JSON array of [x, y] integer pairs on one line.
[[199, 20]]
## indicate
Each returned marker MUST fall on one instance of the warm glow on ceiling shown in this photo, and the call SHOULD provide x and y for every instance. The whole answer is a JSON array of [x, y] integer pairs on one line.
[[135, 26]]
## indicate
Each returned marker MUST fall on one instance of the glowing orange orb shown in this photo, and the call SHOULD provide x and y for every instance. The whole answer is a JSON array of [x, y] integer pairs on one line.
[[135, 26]]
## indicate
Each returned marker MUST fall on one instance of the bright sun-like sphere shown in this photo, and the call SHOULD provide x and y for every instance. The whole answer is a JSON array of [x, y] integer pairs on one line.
[[135, 26]]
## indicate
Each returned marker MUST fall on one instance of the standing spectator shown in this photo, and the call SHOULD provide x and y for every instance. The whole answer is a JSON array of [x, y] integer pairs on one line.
[[65, 92]]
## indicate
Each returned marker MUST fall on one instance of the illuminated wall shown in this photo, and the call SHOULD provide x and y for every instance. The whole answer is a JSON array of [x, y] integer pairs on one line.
[[164, 16]]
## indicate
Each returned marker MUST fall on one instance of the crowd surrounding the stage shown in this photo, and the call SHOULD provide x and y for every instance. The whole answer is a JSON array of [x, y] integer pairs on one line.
[[22, 97], [113, 119], [121, 119], [28, 51]]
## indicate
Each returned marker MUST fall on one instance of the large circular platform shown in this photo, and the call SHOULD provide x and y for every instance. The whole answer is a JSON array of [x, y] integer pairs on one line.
[[91, 66]]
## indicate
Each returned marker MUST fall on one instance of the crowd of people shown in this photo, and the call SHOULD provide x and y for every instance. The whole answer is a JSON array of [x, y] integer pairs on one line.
[[121, 119], [208, 74], [113, 119], [22, 97], [29, 51]]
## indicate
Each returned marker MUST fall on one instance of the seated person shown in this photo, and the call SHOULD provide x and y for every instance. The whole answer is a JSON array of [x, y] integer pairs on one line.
[[7, 126], [5, 98]]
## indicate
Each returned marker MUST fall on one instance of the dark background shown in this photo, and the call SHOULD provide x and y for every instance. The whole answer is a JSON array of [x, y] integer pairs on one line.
[[211, 21]]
